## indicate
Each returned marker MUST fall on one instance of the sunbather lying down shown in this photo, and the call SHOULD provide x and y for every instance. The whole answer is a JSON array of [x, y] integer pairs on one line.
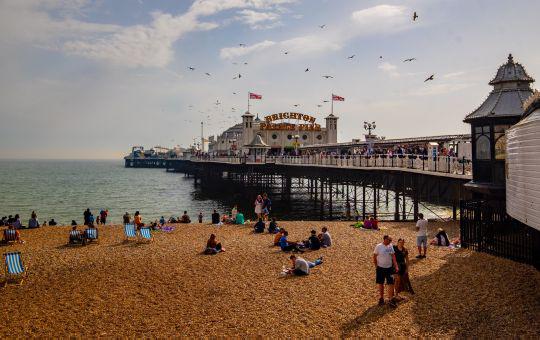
[[213, 246], [300, 266]]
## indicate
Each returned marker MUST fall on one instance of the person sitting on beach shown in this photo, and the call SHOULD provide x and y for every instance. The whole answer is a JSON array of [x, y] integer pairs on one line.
[[215, 217], [126, 218], [12, 235], [278, 236], [3, 221], [33, 223], [213, 246], [162, 221], [313, 242], [52, 222], [325, 238], [273, 227], [301, 267], [44, 224], [137, 220], [234, 211], [17, 222], [285, 245], [441, 239], [374, 223], [185, 218], [172, 219], [75, 236], [259, 226], [239, 219]]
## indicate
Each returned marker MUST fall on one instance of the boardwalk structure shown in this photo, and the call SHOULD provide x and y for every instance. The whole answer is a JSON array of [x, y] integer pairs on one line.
[[362, 184]]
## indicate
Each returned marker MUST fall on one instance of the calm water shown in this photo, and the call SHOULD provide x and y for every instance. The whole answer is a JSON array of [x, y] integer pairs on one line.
[[63, 189]]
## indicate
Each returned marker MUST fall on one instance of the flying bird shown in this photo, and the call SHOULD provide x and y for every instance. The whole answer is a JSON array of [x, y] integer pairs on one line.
[[352, 56], [191, 68], [244, 45], [286, 52], [380, 57], [319, 105], [409, 59], [217, 102], [238, 76], [208, 74], [296, 105], [306, 70], [234, 93], [327, 77], [415, 16], [322, 26], [325, 101], [429, 78], [245, 63]]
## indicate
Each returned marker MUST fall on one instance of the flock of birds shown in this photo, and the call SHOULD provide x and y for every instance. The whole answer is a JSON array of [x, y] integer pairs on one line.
[[217, 105]]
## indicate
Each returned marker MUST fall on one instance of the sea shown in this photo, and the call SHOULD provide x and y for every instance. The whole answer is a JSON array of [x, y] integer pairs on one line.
[[63, 189]]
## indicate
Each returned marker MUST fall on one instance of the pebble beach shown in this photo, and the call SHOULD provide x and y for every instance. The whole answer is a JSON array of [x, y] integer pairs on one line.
[[168, 288]]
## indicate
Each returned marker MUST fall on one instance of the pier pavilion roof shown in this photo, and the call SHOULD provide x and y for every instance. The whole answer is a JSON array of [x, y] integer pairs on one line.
[[511, 87]]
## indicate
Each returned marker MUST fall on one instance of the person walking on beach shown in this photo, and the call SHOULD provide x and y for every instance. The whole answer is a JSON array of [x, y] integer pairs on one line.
[[402, 278], [384, 259], [421, 236], [267, 206], [103, 215], [258, 206], [86, 216]]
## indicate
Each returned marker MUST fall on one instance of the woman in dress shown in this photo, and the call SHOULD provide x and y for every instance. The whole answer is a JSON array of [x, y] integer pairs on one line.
[[259, 206], [402, 278]]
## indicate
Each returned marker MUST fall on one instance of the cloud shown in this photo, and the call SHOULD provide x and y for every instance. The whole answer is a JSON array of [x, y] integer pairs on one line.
[[453, 75], [381, 19], [310, 44], [256, 19], [439, 89], [234, 52], [389, 69]]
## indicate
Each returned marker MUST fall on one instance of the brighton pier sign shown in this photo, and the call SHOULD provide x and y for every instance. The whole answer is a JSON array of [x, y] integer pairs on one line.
[[270, 125]]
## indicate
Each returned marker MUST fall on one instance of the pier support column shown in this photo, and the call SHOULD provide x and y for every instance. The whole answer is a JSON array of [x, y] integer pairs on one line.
[[363, 201], [330, 184], [396, 207], [375, 200], [322, 199]]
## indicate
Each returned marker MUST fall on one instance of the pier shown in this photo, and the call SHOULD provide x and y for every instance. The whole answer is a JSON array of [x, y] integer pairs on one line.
[[341, 187]]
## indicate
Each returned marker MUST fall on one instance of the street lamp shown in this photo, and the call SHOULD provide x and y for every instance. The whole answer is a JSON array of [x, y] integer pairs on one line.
[[369, 127], [296, 137]]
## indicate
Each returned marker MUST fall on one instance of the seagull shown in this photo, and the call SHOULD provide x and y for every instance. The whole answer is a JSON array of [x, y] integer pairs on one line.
[[208, 74], [327, 77], [429, 78], [217, 102], [319, 105], [322, 26], [245, 63], [380, 57], [409, 59], [351, 56], [325, 101], [234, 93], [296, 105], [238, 76], [244, 45], [286, 52], [415, 16], [307, 70], [191, 68]]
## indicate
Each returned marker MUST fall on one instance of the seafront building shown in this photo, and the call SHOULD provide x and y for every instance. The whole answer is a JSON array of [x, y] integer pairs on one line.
[[281, 132]]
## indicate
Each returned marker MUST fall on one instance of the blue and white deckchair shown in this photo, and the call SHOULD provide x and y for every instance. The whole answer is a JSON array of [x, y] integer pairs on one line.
[[129, 231], [75, 237], [146, 235], [91, 235], [14, 267], [10, 236]]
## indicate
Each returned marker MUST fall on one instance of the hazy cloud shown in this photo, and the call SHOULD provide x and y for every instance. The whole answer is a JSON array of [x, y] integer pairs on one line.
[[239, 51]]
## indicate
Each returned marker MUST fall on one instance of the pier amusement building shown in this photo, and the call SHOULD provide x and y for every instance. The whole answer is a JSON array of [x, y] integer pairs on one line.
[[281, 132]]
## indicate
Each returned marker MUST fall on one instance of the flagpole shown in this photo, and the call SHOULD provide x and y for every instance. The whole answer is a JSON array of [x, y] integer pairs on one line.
[[248, 102]]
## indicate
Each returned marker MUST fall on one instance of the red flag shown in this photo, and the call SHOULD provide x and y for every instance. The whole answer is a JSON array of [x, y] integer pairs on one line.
[[337, 98], [254, 96]]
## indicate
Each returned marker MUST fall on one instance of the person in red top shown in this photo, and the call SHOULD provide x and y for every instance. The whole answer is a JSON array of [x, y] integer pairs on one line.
[[103, 215]]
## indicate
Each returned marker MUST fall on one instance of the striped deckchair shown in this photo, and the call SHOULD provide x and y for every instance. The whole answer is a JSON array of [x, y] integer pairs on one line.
[[91, 235], [75, 237], [10, 236], [146, 234], [14, 267], [130, 232]]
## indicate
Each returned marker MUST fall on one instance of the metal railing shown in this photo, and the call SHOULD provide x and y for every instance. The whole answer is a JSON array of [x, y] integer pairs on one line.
[[440, 164]]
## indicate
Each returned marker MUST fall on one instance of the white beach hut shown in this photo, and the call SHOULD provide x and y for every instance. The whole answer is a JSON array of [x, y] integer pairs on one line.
[[523, 166]]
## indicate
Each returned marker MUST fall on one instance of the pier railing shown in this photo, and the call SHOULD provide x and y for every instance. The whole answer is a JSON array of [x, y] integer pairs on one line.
[[438, 164]]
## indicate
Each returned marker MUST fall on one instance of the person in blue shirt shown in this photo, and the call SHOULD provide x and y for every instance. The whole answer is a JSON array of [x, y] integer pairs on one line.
[[267, 206], [162, 220], [273, 227], [285, 245]]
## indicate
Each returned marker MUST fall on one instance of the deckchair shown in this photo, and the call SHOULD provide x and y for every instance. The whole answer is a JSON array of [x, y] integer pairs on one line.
[[75, 237], [10, 236], [91, 235], [14, 267], [129, 231], [146, 234]]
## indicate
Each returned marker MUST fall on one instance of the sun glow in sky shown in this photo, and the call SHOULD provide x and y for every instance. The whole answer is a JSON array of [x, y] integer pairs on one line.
[[89, 79]]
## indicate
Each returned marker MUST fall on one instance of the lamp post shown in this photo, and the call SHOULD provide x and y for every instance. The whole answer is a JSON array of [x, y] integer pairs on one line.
[[296, 137], [369, 126]]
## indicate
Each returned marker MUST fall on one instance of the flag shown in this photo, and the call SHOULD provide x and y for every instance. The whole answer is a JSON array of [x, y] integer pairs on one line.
[[254, 96], [337, 98]]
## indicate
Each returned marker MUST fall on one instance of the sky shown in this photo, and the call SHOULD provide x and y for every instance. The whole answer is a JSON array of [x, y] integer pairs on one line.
[[89, 79]]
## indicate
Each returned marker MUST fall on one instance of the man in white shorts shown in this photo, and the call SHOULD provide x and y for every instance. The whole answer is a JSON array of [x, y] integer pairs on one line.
[[421, 236]]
